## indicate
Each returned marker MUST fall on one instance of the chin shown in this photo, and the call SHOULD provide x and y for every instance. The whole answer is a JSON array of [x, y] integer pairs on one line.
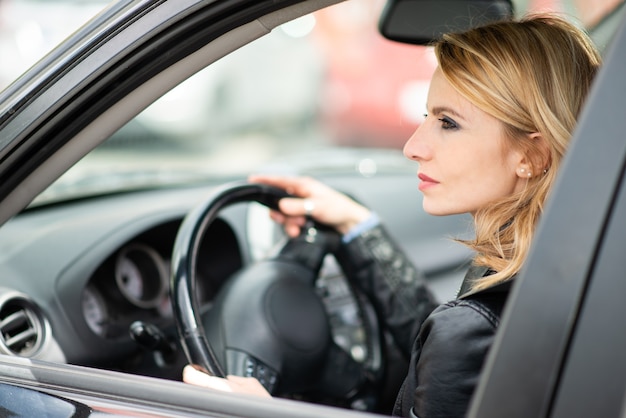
[[441, 211], [436, 211]]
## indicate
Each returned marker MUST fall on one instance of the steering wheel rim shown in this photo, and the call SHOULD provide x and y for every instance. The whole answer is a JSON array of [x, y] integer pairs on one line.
[[190, 325], [188, 322]]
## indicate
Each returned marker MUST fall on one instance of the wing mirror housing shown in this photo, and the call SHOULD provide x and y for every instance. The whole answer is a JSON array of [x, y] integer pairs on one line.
[[421, 22]]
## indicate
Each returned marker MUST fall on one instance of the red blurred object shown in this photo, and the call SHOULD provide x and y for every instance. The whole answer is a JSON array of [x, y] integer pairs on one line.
[[375, 94]]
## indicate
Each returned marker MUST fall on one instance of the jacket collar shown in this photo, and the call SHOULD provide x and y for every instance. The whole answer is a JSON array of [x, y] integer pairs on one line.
[[476, 272]]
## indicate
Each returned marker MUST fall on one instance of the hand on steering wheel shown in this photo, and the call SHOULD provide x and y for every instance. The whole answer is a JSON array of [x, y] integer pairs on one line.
[[315, 199]]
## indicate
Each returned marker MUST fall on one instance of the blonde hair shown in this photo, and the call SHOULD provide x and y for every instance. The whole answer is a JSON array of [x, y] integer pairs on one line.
[[533, 75]]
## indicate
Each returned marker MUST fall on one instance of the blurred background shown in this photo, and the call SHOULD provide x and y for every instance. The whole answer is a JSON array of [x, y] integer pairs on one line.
[[328, 77], [359, 106]]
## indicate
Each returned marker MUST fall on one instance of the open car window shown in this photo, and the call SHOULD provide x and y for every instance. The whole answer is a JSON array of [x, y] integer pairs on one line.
[[328, 79], [239, 116]]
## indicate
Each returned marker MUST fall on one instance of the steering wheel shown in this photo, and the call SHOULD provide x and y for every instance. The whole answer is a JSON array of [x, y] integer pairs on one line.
[[267, 321]]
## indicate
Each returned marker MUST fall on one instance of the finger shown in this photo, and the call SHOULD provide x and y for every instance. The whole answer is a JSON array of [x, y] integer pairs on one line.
[[293, 185], [278, 217], [198, 378], [296, 207], [292, 230], [249, 385]]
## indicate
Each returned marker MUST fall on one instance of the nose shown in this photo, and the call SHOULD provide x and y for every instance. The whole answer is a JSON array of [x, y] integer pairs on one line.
[[416, 148]]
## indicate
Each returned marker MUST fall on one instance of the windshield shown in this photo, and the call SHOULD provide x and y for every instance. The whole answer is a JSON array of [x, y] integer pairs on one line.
[[328, 79]]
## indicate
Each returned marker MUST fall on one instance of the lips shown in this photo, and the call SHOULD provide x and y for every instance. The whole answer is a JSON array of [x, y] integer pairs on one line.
[[427, 179], [426, 182]]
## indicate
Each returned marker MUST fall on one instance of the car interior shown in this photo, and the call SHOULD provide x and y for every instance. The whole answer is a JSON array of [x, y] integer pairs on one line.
[[107, 295]]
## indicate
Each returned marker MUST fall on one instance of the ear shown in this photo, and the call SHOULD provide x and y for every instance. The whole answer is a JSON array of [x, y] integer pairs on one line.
[[536, 158], [541, 157]]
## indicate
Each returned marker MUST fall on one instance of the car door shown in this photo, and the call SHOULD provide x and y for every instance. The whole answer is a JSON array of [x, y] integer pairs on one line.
[[561, 348]]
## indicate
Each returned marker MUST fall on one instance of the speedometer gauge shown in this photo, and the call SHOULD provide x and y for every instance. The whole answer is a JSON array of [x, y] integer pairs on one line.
[[140, 275], [94, 310], [130, 280]]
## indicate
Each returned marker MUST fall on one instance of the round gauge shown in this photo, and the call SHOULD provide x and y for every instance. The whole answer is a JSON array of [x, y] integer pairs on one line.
[[140, 275], [94, 310]]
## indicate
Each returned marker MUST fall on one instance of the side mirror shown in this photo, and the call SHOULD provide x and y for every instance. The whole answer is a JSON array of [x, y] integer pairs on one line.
[[421, 22]]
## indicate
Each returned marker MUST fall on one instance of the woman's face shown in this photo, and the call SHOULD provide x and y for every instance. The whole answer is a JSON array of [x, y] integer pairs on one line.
[[463, 163]]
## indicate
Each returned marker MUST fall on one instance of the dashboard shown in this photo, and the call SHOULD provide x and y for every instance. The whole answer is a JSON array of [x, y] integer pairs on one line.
[[80, 273], [90, 268]]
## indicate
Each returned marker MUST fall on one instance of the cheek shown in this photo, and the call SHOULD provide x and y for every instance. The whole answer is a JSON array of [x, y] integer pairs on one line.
[[475, 183], [493, 183]]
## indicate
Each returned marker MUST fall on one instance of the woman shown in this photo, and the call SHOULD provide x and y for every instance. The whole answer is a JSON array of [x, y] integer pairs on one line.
[[502, 106]]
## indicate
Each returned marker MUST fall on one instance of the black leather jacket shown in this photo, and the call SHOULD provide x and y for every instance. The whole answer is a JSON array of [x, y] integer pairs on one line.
[[446, 343]]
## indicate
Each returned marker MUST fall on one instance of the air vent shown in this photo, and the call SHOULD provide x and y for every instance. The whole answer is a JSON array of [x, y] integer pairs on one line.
[[21, 327]]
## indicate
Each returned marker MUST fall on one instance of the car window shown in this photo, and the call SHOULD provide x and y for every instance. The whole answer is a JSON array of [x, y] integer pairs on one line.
[[328, 78]]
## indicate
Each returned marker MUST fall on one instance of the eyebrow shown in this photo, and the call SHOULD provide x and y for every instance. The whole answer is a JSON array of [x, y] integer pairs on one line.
[[443, 109]]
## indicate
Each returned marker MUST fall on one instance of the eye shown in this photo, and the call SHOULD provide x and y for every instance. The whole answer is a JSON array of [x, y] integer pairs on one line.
[[447, 123]]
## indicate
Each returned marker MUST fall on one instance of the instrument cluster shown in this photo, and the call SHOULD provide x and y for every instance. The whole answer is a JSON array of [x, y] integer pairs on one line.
[[138, 284], [133, 283]]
